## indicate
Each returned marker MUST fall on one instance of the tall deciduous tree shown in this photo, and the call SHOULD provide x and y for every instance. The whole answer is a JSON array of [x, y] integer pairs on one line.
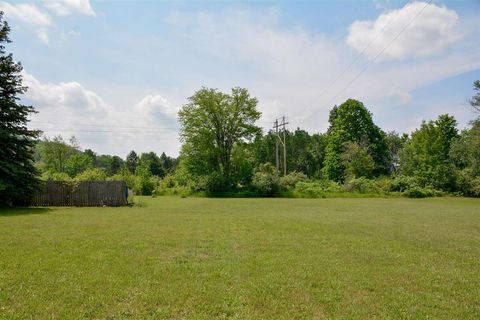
[[351, 121], [211, 124], [18, 175]]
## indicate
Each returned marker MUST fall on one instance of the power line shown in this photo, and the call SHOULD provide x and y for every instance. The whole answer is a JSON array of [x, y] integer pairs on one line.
[[105, 131], [350, 65], [100, 125], [155, 129], [381, 52]]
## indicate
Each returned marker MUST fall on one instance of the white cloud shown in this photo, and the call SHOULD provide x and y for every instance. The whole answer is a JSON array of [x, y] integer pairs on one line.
[[68, 108], [291, 71], [70, 97], [43, 35], [156, 104], [434, 29], [66, 7], [30, 15], [27, 13]]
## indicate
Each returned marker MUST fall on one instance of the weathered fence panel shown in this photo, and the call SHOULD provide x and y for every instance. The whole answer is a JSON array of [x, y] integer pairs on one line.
[[81, 194]]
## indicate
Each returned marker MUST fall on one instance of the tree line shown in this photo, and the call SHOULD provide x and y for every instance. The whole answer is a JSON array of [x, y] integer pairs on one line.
[[224, 151], [234, 155], [57, 159]]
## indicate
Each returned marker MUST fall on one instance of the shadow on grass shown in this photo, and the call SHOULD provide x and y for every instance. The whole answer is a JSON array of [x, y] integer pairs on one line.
[[8, 212]]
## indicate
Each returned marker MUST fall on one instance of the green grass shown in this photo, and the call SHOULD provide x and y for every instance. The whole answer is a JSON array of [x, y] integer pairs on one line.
[[202, 258]]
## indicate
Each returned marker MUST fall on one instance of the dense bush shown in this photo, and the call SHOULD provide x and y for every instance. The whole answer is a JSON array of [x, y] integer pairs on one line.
[[418, 192], [95, 174], [310, 189], [361, 185], [145, 185], [168, 182], [125, 175], [215, 182], [468, 183], [265, 180], [402, 183], [331, 186], [384, 184], [289, 181], [56, 176]]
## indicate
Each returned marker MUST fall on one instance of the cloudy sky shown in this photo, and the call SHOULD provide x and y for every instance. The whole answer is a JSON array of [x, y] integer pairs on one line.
[[115, 73]]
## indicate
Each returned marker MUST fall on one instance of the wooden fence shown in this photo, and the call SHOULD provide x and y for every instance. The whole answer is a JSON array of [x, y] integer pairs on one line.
[[81, 194]]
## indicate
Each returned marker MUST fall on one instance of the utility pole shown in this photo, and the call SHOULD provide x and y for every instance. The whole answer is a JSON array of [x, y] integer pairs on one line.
[[277, 160], [280, 128]]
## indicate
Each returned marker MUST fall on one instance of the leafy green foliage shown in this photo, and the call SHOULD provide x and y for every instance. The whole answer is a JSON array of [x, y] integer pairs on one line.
[[349, 159], [211, 124], [426, 155], [265, 180], [145, 185], [290, 180], [18, 175], [92, 174], [357, 161], [56, 176], [152, 163], [396, 143], [305, 152], [419, 192], [55, 152], [243, 165], [362, 185], [125, 175], [78, 163], [465, 154], [110, 164], [132, 161], [310, 189], [475, 101], [468, 182], [352, 122], [403, 183]]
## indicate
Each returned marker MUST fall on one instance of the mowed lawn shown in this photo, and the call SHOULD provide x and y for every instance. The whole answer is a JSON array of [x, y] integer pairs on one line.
[[199, 258]]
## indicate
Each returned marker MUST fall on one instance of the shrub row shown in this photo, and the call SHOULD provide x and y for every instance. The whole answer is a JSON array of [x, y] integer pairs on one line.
[[266, 183]]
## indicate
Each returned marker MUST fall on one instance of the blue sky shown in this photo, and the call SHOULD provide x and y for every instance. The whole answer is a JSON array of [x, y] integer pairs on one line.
[[115, 73]]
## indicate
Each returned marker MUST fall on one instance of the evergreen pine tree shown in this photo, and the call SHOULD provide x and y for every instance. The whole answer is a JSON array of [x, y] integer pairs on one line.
[[18, 175]]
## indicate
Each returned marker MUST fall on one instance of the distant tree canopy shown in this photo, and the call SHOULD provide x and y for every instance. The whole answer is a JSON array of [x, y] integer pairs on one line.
[[305, 151], [426, 155], [396, 143], [465, 154], [352, 122], [475, 101], [132, 161], [212, 123], [18, 175], [224, 150], [357, 161]]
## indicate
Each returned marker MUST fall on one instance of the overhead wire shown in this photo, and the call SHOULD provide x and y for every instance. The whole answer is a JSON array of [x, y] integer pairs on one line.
[[380, 53], [348, 66]]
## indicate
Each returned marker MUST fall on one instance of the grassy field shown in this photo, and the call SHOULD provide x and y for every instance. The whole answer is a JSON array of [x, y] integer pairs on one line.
[[200, 258]]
